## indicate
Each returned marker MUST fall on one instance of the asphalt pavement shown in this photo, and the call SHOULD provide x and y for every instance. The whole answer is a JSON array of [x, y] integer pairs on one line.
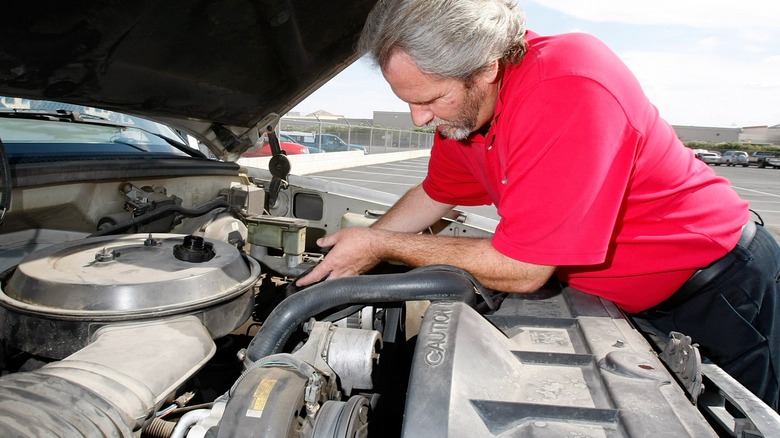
[[760, 187]]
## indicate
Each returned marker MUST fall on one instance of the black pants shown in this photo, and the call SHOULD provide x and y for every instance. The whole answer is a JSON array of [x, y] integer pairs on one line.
[[734, 319]]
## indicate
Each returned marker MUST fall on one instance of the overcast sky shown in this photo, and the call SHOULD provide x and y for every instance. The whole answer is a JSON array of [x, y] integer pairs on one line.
[[701, 62]]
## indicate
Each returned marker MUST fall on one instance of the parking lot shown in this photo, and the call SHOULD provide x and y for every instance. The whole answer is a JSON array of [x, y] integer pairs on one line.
[[760, 187]]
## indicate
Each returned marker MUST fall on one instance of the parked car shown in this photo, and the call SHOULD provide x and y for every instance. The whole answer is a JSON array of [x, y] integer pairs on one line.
[[147, 290], [736, 158], [711, 157], [303, 138], [334, 143], [764, 158], [324, 142], [287, 144]]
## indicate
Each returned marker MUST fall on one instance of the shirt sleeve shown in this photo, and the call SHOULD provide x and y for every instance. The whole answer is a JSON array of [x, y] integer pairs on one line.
[[567, 166], [448, 180]]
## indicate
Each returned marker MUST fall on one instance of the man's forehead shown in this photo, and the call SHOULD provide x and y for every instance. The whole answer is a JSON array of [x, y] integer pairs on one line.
[[400, 61], [410, 83]]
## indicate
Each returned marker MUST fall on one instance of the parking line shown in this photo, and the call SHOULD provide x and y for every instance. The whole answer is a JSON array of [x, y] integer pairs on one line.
[[365, 181], [377, 173], [756, 191]]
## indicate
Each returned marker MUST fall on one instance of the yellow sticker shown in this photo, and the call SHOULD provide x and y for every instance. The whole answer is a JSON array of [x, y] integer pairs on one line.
[[260, 397]]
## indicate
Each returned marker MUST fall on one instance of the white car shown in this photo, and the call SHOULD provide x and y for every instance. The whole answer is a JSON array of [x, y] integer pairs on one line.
[[711, 158]]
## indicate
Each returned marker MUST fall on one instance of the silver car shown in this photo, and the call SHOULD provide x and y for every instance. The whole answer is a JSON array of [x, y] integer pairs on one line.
[[735, 158]]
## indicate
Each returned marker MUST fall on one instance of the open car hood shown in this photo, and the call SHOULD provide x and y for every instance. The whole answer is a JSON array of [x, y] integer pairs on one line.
[[218, 70]]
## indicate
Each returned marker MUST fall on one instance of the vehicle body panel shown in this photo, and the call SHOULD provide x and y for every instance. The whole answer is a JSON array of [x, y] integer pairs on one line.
[[236, 65]]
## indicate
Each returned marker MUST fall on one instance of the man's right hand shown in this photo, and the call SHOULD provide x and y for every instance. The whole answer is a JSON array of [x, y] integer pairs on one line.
[[353, 252]]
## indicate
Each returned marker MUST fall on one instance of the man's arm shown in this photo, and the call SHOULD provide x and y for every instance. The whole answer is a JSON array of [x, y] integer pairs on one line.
[[475, 255], [394, 237], [356, 250], [414, 212]]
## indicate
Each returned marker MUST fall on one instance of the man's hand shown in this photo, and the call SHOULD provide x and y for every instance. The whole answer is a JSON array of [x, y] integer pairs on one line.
[[356, 250], [353, 252]]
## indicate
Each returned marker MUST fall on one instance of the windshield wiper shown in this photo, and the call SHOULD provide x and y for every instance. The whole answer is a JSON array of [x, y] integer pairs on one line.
[[130, 143], [63, 115]]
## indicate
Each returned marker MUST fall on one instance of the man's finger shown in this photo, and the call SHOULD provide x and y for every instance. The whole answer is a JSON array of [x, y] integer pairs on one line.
[[328, 241], [316, 274]]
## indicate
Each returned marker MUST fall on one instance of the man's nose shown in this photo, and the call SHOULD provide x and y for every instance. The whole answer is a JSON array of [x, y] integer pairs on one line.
[[421, 114]]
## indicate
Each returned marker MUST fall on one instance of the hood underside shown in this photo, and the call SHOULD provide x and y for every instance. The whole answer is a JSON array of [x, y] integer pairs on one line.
[[215, 69]]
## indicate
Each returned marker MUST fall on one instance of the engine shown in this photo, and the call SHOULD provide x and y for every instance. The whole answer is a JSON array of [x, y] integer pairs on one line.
[[174, 321]]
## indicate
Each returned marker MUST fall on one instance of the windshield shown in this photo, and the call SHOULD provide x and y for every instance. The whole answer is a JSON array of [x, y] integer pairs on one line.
[[45, 127]]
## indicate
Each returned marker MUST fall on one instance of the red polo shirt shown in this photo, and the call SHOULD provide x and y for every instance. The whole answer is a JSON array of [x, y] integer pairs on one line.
[[587, 177]]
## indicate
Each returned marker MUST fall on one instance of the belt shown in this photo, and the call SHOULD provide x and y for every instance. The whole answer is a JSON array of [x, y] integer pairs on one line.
[[704, 276]]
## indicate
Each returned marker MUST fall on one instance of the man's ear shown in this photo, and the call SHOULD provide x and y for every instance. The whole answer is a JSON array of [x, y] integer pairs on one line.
[[491, 74]]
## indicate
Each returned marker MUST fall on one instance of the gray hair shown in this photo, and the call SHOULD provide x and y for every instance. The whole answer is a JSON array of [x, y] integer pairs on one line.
[[447, 38]]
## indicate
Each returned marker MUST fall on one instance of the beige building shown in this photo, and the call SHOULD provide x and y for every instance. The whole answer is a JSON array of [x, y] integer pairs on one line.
[[704, 133], [760, 135]]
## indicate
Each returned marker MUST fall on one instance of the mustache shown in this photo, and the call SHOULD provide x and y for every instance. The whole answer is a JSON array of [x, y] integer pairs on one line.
[[435, 123]]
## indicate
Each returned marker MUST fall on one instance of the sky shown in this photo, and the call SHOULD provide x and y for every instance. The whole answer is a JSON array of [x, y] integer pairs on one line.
[[712, 63]]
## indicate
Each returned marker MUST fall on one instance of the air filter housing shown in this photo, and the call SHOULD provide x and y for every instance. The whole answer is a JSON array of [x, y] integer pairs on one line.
[[57, 297]]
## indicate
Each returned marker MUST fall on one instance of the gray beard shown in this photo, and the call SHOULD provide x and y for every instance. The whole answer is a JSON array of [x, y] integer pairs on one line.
[[454, 132], [467, 118]]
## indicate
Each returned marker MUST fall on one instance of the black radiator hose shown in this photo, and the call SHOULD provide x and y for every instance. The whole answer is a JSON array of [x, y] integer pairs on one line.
[[433, 283], [161, 212]]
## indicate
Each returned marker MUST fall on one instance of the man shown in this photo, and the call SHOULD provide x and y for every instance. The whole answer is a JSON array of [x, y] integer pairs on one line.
[[591, 184]]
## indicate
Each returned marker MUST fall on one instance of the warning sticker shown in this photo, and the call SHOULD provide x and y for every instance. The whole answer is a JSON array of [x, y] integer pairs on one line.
[[260, 398]]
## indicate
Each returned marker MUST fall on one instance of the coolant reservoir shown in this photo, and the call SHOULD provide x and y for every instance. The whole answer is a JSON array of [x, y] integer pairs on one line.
[[286, 234]]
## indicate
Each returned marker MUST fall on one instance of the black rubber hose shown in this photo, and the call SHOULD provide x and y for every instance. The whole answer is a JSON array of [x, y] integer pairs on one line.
[[427, 283], [161, 212]]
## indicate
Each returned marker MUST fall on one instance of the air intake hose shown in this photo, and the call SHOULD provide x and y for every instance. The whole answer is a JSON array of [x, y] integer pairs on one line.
[[35, 404], [111, 387]]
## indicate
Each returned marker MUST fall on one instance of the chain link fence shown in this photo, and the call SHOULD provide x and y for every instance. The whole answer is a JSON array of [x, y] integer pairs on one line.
[[376, 139]]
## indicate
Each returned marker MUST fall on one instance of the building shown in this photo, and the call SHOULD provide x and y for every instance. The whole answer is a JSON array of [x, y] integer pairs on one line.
[[319, 117], [760, 135], [708, 134], [397, 120]]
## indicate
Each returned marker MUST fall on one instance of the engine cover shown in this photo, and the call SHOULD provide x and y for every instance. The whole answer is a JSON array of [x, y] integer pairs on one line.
[[570, 365]]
